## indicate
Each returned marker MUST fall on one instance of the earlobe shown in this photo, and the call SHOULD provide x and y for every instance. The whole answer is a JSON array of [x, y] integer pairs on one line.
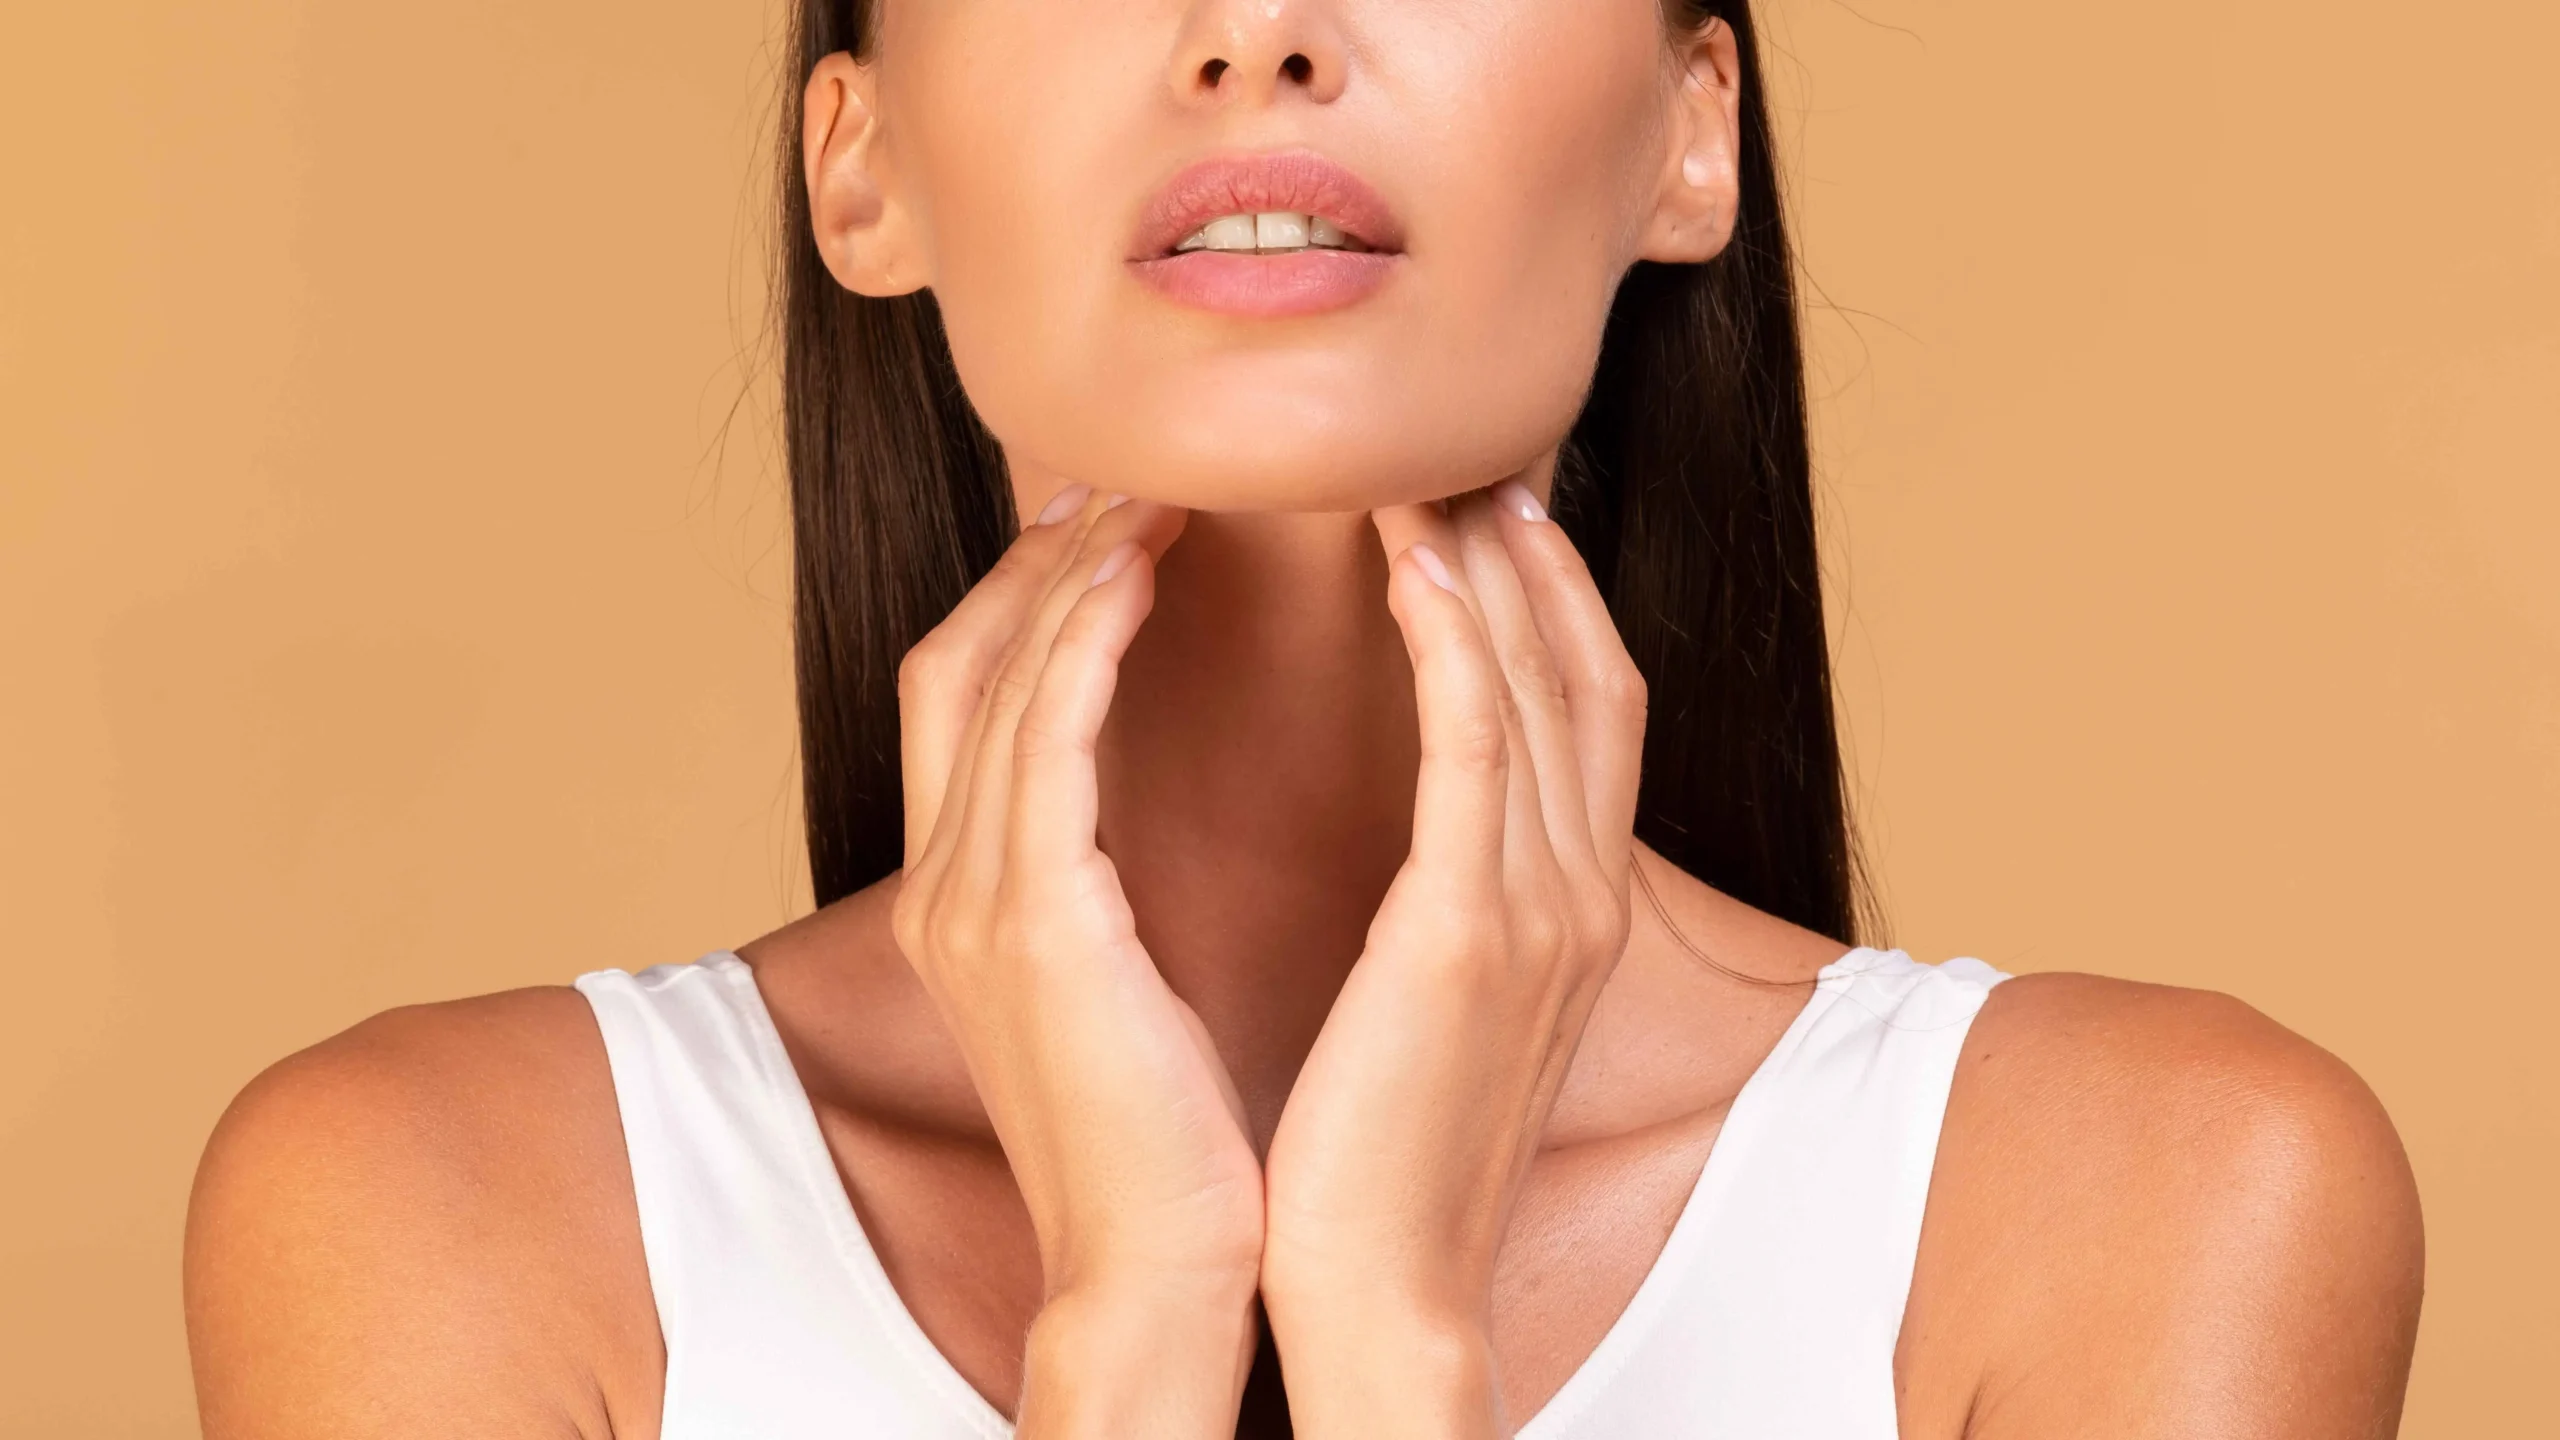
[[1700, 191], [857, 213]]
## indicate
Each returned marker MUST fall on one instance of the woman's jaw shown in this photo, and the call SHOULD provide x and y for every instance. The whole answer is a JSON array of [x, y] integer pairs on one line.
[[1034, 486]]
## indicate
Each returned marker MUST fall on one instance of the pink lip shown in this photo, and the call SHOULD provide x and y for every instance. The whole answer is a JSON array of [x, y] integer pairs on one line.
[[1239, 283]]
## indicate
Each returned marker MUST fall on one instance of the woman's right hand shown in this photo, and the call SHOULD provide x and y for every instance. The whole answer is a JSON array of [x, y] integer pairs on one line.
[[1121, 1125]]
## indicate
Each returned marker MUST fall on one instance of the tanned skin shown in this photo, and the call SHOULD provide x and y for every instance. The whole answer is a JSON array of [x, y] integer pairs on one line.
[[1279, 787], [2155, 1212]]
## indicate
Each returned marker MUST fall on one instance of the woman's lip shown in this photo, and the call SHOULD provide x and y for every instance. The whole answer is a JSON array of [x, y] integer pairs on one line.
[[1296, 282], [1299, 180]]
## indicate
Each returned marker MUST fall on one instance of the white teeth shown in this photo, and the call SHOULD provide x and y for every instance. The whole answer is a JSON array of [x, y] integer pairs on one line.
[[1269, 230], [1279, 230], [1229, 232]]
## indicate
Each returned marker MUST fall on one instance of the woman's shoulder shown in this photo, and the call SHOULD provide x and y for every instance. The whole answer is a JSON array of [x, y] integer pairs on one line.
[[439, 1191], [425, 1089], [2093, 1067], [2144, 1190]]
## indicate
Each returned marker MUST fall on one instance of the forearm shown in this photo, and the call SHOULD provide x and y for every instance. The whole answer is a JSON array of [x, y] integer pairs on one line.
[[1163, 1362]]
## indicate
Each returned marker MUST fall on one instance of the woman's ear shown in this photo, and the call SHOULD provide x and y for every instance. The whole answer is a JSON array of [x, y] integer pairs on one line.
[[861, 216], [1701, 189]]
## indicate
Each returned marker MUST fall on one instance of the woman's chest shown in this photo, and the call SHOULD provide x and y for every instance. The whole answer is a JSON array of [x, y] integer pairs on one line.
[[956, 1243]]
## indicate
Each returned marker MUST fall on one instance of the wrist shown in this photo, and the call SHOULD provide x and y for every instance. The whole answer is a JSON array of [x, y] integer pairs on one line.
[[1352, 1295], [1161, 1357], [1151, 1272], [1365, 1361]]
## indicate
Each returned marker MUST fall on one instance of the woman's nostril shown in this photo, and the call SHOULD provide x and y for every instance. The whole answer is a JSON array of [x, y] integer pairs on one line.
[[1297, 68]]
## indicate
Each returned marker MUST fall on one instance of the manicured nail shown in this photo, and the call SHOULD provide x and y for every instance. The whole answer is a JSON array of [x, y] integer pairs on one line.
[[1115, 562], [1429, 560], [1515, 497], [1063, 504], [1115, 502]]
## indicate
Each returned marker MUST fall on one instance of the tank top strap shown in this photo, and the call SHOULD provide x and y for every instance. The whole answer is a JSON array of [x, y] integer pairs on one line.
[[777, 1316], [1775, 1306]]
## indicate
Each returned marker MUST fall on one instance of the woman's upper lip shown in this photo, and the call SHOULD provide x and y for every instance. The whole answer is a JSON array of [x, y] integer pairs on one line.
[[1299, 180]]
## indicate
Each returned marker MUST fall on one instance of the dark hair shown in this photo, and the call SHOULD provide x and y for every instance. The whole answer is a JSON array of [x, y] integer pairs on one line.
[[1686, 482]]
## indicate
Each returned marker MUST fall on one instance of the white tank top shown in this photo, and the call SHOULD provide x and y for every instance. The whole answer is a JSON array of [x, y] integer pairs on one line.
[[1771, 1311]]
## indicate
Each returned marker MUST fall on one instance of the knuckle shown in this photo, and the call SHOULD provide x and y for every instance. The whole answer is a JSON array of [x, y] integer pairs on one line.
[[1534, 675], [922, 670], [1040, 737], [1600, 926], [1076, 628], [924, 926], [1476, 743], [1465, 960], [1010, 692], [906, 917], [1541, 933], [949, 931], [1623, 690]]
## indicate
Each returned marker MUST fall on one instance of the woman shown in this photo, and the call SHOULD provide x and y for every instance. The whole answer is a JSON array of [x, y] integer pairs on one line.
[[1307, 938]]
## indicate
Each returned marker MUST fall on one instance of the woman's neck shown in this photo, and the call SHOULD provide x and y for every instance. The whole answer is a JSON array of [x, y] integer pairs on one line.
[[1257, 778]]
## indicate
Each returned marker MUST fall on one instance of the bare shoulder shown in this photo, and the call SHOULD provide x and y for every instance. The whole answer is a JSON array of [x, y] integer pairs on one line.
[[423, 1225], [2116, 1062], [2159, 1204]]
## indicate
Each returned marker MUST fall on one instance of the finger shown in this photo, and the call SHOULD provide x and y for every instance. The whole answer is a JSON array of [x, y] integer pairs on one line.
[[1435, 526], [1155, 527], [988, 783], [1401, 527], [1050, 824], [1531, 672], [941, 679], [1462, 793], [1603, 690]]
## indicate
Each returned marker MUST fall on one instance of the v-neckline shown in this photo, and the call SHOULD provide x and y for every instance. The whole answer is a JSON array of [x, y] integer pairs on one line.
[[870, 1279]]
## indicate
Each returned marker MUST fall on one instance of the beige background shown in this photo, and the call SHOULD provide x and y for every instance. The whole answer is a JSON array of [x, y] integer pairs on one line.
[[387, 613]]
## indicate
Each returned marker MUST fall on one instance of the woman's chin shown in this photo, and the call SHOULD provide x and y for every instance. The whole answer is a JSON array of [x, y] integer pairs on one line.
[[1341, 490]]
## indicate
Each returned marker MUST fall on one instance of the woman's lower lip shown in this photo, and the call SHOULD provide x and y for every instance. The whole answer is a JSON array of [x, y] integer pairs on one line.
[[1235, 282]]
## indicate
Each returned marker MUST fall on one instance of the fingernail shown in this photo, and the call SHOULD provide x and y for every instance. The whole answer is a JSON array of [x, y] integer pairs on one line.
[[1063, 504], [1115, 502], [1515, 497], [1429, 560], [1115, 562]]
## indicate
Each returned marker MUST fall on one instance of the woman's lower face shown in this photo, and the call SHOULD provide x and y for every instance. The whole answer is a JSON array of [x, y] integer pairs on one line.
[[1288, 255]]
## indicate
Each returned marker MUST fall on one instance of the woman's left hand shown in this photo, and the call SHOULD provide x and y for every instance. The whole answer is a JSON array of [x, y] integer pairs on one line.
[[1391, 1178]]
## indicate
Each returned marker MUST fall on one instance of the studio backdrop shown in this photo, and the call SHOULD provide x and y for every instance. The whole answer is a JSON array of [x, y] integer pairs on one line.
[[392, 574]]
